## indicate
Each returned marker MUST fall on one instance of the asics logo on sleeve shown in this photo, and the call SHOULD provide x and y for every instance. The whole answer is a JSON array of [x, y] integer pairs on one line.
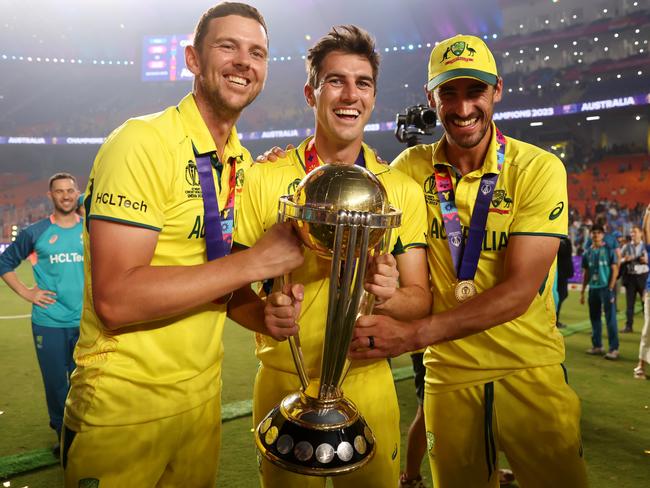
[[557, 211]]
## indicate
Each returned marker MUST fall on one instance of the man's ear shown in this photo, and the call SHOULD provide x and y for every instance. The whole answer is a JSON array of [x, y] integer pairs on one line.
[[192, 60], [430, 99], [309, 95], [498, 90]]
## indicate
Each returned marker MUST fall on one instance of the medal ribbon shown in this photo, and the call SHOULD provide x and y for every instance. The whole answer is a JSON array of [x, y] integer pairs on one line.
[[218, 226], [465, 257], [311, 157]]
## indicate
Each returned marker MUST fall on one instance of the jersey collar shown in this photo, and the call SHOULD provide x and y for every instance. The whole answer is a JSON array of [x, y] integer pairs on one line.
[[199, 134], [372, 165]]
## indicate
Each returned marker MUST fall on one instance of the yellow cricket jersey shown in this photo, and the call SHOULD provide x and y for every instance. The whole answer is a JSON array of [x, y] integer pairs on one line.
[[145, 175], [530, 198], [265, 183]]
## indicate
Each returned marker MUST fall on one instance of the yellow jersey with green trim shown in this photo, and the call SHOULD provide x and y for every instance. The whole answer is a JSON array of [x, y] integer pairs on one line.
[[530, 198], [145, 175], [265, 184]]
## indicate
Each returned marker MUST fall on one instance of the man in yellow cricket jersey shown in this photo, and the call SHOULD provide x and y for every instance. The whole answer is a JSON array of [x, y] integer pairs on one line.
[[496, 209], [144, 405], [341, 88]]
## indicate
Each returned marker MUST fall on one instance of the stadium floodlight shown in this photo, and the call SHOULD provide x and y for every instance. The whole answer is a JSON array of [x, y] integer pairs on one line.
[[637, 31], [592, 118], [536, 124], [638, 117], [616, 35]]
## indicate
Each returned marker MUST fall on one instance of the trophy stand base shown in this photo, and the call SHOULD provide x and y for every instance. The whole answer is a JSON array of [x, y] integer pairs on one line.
[[315, 437]]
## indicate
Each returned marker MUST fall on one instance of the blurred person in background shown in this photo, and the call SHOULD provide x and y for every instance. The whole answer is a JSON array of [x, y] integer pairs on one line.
[[600, 269], [54, 246], [564, 273], [634, 271], [144, 407], [641, 371]]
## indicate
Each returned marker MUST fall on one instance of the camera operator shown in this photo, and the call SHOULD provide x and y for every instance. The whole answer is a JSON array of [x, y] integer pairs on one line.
[[634, 264]]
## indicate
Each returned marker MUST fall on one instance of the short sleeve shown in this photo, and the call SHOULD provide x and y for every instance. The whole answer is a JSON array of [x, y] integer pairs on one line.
[[256, 214], [412, 231], [131, 178], [542, 199]]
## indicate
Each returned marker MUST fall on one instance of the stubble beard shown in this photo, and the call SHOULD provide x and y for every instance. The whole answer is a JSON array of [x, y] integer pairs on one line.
[[467, 142], [222, 107]]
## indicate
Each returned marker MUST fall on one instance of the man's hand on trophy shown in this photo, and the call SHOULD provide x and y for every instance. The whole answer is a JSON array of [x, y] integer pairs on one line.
[[282, 311], [279, 251], [380, 336], [273, 154], [382, 278]]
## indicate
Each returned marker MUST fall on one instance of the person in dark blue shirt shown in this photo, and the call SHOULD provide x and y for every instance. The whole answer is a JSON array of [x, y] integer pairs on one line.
[[55, 248]]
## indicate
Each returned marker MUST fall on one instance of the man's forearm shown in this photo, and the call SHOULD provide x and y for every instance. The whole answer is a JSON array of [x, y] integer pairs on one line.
[[147, 293], [12, 280], [408, 303], [505, 302], [247, 309]]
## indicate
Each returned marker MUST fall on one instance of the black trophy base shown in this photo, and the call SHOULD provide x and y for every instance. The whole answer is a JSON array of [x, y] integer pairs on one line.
[[313, 437]]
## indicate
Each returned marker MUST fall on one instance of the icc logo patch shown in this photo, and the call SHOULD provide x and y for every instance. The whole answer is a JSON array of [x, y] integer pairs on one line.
[[192, 174], [430, 193]]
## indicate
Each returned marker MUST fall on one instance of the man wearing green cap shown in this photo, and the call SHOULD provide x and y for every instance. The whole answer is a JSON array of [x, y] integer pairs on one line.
[[496, 212]]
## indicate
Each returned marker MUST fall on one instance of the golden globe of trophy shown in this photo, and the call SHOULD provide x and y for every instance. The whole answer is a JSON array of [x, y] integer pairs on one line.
[[342, 213]]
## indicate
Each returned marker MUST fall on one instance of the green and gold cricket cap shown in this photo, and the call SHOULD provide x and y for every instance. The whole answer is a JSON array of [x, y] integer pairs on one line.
[[461, 56]]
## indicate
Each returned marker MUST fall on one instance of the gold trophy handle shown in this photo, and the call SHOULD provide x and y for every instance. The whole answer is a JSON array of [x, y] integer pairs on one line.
[[296, 351], [294, 341]]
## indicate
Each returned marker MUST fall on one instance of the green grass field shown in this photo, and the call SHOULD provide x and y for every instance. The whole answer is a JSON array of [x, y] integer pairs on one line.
[[615, 420]]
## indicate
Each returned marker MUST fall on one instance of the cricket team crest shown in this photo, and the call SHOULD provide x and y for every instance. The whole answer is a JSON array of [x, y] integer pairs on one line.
[[239, 178], [291, 189], [458, 49]]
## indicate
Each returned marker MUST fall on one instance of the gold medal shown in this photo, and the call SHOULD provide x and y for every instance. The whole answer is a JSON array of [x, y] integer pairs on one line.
[[464, 290]]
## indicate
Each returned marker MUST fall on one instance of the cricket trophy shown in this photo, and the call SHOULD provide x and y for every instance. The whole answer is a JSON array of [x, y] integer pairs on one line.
[[341, 212]]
